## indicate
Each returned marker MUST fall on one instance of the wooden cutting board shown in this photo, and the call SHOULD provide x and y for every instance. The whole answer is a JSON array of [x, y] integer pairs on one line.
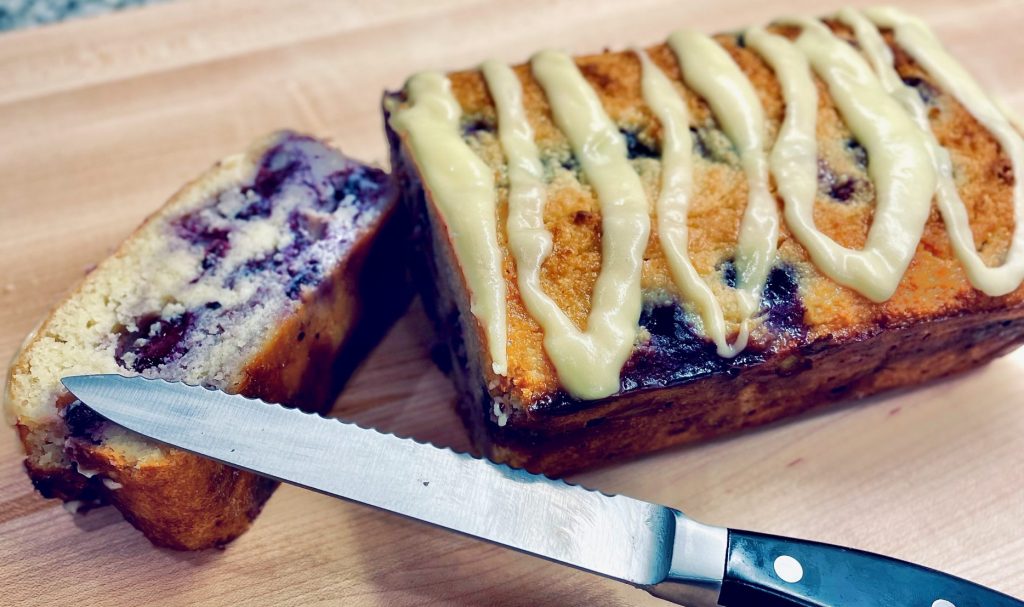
[[102, 119]]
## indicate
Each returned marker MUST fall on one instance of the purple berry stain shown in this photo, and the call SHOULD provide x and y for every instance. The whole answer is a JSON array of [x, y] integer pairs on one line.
[[156, 341], [925, 89], [700, 147], [781, 303], [479, 124], [308, 276], [840, 188], [193, 229], [728, 269]]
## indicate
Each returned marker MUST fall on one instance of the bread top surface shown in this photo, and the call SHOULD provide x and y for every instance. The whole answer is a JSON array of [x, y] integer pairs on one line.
[[799, 304], [196, 291]]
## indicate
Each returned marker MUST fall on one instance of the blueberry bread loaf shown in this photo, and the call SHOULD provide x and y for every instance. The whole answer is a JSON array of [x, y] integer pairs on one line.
[[262, 277], [633, 250]]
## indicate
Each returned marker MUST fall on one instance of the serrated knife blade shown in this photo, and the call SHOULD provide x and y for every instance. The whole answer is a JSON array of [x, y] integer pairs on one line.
[[647, 545]]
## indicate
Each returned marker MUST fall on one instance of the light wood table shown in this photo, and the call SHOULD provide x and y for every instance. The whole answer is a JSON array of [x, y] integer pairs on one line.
[[102, 119]]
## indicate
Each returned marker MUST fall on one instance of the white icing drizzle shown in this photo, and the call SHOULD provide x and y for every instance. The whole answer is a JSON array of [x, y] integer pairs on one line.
[[899, 162], [588, 363], [918, 40], [462, 188], [673, 203], [710, 71]]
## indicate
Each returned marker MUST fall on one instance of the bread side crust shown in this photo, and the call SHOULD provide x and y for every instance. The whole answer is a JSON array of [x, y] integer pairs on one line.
[[443, 289], [817, 375]]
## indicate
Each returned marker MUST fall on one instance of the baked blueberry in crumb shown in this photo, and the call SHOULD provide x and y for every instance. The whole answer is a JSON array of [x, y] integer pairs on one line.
[[475, 125], [257, 208], [840, 188], [675, 351], [358, 184], [281, 163], [195, 230], [781, 302], [635, 146], [156, 341], [569, 163], [81, 421], [305, 277], [857, 151], [728, 269], [713, 145], [699, 147], [925, 89]]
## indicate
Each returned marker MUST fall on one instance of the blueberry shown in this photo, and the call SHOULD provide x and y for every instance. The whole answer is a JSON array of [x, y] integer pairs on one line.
[[571, 164], [81, 421], [479, 124], [728, 269], [153, 348], [925, 89], [661, 321], [636, 148], [781, 302], [363, 184], [257, 208], [700, 147], [194, 229]]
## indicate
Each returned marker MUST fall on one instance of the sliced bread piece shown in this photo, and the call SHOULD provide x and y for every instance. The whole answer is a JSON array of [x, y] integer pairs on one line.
[[266, 276]]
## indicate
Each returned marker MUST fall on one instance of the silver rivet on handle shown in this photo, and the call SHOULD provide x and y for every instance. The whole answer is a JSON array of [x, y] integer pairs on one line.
[[790, 570]]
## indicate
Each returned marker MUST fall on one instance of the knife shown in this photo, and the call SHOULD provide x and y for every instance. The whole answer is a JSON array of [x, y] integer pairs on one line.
[[653, 547]]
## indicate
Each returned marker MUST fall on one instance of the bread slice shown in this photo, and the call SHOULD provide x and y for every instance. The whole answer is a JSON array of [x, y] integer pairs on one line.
[[813, 335], [266, 276]]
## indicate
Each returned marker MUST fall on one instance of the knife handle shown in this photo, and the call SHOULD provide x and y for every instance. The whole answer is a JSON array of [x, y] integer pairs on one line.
[[769, 571]]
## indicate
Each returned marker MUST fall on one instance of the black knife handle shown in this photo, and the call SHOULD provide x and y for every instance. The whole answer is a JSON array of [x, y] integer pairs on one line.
[[768, 571]]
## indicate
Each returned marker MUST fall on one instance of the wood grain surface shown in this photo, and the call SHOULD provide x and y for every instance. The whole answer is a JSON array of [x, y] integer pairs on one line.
[[102, 119]]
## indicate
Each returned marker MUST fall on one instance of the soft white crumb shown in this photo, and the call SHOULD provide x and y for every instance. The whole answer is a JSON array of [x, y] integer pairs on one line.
[[500, 415]]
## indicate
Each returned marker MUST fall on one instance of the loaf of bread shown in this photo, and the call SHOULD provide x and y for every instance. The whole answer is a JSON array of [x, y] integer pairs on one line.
[[267, 276], [637, 249]]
